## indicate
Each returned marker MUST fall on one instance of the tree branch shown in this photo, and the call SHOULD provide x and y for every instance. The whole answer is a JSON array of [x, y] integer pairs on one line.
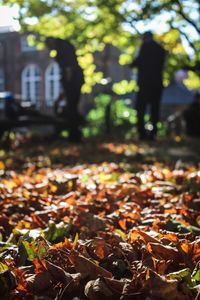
[[186, 18], [184, 34]]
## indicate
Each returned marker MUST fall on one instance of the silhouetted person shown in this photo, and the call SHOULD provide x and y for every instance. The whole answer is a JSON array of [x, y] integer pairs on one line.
[[72, 79], [149, 62], [192, 117]]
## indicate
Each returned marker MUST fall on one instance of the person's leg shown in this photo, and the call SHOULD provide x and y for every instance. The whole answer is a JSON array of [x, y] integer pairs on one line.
[[73, 114], [155, 110], [72, 90], [141, 107]]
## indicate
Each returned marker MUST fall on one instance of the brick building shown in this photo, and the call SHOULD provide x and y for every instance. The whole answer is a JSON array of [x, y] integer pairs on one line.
[[34, 76], [26, 71]]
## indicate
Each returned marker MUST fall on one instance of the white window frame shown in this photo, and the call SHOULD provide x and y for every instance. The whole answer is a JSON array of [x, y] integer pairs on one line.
[[33, 79], [52, 77]]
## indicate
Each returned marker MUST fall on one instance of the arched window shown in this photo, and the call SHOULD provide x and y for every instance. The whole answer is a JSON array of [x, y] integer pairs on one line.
[[52, 83], [31, 83]]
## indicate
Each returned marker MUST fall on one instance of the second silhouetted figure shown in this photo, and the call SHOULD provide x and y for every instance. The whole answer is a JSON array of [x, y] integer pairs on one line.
[[72, 79], [150, 63]]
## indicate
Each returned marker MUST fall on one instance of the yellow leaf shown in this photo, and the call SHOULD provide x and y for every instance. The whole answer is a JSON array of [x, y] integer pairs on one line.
[[75, 241], [2, 165]]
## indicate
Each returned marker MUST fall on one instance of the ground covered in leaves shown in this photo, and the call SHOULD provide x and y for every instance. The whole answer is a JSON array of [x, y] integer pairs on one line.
[[100, 221]]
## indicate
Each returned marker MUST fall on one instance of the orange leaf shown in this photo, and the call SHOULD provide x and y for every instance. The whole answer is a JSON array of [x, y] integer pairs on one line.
[[122, 224]]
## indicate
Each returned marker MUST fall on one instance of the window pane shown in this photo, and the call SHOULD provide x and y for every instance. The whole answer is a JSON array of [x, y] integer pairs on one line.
[[28, 91], [27, 74], [37, 90], [52, 80], [52, 71], [51, 89], [36, 71], [31, 83]]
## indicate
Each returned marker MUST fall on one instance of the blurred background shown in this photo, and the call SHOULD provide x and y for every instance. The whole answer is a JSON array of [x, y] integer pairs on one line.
[[107, 36]]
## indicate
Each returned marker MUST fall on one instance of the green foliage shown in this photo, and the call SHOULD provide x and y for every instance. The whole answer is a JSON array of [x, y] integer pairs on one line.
[[184, 275], [193, 80], [162, 129], [34, 249], [3, 267], [196, 273], [57, 232], [96, 116], [122, 116], [31, 245], [123, 87], [173, 225]]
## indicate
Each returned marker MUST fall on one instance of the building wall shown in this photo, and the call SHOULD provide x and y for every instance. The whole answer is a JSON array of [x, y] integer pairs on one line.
[[13, 60]]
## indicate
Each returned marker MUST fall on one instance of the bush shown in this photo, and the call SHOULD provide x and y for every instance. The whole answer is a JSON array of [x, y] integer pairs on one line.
[[109, 114]]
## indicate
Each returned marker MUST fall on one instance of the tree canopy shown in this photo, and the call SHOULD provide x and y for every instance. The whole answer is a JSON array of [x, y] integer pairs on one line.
[[90, 24]]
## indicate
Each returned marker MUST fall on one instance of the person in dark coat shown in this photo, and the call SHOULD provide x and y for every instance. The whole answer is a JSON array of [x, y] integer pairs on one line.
[[72, 79], [192, 117], [150, 63]]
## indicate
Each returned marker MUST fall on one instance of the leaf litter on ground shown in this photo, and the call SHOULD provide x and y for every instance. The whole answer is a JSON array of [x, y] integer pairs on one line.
[[105, 230]]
